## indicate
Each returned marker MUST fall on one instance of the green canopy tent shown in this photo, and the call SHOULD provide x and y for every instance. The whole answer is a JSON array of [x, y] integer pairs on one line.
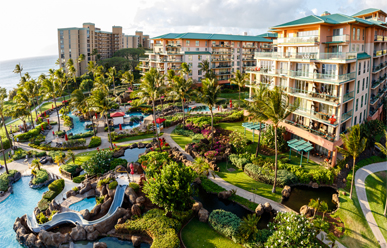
[[253, 126], [300, 146]]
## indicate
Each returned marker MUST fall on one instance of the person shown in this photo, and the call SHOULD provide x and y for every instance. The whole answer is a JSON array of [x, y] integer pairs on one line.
[[17, 140]]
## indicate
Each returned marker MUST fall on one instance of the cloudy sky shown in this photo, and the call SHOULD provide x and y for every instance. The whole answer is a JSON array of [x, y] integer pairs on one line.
[[29, 28]]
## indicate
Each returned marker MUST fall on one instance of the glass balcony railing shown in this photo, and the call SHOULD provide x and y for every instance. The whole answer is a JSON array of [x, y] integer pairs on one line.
[[323, 76], [315, 95], [378, 53], [325, 135], [320, 116], [266, 46], [346, 116], [307, 56], [248, 58], [221, 52], [305, 39], [378, 38], [348, 96], [221, 59], [338, 38]]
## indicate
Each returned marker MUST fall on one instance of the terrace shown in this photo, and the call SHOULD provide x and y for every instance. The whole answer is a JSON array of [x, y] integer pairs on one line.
[[320, 97], [307, 56], [322, 117], [294, 40], [337, 39]]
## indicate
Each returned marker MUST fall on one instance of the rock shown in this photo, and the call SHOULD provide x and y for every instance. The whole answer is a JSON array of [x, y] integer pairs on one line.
[[100, 245], [136, 210], [111, 192], [315, 185], [30, 241], [134, 146], [197, 206], [267, 207], [335, 199], [53, 239], [93, 235], [224, 194], [85, 214], [131, 195], [197, 180], [95, 210], [86, 188], [108, 224], [137, 168], [78, 233], [106, 205], [136, 240], [89, 229], [259, 210], [307, 211], [120, 169], [70, 193], [286, 191], [203, 215], [141, 145], [54, 206], [140, 200]]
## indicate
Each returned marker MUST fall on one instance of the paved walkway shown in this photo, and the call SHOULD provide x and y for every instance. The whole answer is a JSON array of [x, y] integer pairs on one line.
[[360, 177]]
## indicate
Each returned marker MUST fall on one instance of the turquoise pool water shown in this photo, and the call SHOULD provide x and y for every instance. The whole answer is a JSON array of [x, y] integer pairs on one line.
[[137, 114], [87, 203], [21, 202], [111, 243], [199, 110], [79, 127]]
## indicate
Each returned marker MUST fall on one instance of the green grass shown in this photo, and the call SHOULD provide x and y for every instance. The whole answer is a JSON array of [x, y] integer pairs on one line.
[[357, 232], [82, 157], [138, 137], [234, 96], [376, 185], [198, 234], [241, 180], [181, 140]]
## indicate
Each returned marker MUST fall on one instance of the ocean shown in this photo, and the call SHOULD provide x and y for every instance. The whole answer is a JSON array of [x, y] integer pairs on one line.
[[34, 66]]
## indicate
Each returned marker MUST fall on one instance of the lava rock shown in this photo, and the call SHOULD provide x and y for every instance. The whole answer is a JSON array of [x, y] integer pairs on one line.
[[85, 214], [100, 245], [203, 215], [136, 240], [259, 210], [136, 210], [267, 207], [78, 233], [197, 206]]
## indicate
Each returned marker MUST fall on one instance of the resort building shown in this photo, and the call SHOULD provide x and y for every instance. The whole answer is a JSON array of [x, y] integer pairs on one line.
[[73, 42], [226, 53], [335, 67]]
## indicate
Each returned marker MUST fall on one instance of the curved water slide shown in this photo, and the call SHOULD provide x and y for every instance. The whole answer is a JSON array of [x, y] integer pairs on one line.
[[74, 217]]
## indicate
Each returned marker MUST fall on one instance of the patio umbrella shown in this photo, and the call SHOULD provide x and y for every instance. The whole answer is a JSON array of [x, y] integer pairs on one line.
[[230, 104], [48, 121], [52, 106], [120, 126], [96, 116], [66, 138], [160, 120], [218, 107]]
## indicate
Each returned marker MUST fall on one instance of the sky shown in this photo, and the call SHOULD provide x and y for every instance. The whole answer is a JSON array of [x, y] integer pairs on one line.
[[29, 28]]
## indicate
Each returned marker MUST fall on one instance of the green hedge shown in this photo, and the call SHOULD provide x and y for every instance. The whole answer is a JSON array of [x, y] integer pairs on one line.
[[50, 148], [225, 223], [79, 178], [4, 181], [266, 175], [83, 135], [55, 188], [40, 177], [113, 185], [135, 186], [70, 168], [239, 162], [31, 133], [117, 162], [95, 141]]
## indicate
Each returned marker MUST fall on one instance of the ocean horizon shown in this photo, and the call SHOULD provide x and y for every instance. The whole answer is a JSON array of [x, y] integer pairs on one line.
[[35, 66]]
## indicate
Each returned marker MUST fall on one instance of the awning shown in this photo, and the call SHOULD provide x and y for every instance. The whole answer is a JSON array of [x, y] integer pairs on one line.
[[253, 126], [300, 146], [117, 114]]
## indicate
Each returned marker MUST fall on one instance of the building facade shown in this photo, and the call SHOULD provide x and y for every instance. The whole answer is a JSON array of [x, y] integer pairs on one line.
[[72, 42], [334, 66], [226, 53]]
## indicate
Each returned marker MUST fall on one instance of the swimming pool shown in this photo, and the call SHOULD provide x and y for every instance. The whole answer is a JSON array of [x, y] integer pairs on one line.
[[135, 114], [21, 202], [79, 127], [87, 203], [199, 110]]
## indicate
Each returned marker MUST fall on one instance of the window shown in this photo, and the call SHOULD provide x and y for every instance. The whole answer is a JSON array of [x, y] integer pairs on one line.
[[362, 50], [361, 102], [357, 103], [232, 43], [363, 33], [365, 99], [62, 46], [302, 69], [188, 48], [199, 57], [358, 34], [213, 43], [353, 33], [307, 49], [197, 49], [238, 44], [206, 43], [190, 65], [232, 63], [364, 116], [357, 48], [355, 121], [364, 68], [61, 41], [329, 70], [238, 63], [302, 86], [199, 72], [359, 68], [358, 86], [187, 42], [362, 88], [197, 43], [190, 58], [337, 31], [307, 33], [368, 66], [367, 83], [238, 57], [205, 49], [353, 47], [360, 118]]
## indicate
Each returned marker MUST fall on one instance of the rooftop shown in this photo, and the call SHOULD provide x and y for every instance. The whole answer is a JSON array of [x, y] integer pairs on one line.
[[273, 35], [367, 11], [208, 36]]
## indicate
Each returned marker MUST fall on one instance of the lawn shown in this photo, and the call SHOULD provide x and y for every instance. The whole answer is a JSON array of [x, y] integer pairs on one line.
[[82, 157], [198, 234], [357, 232], [138, 137], [181, 140], [376, 195], [240, 179], [234, 96]]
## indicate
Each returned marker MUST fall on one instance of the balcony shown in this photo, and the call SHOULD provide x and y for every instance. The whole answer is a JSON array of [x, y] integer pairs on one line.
[[328, 99], [174, 68], [323, 77], [378, 38], [266, 46], [248, 58], [220, 53], [158, 45], [172, 52], [221, 45], [348, 96], [324, 135], [338, 39], [248, 52], [307, 56], [318, 116], [385, 38], [346, 116], [294, 40], [221, 66], [249, 46], [144, 59], [221, 73], [249, 65], [220, 59], [173, 45]]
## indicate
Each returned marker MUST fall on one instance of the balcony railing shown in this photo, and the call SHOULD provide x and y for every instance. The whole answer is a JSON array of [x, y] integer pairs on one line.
[[385, 38], [217, 52], [249, 46], [307, 56], [348, 96], [315, 132], [172, 52], [221, 66], [320, 116], [313, 94], [323, 76], [305, 39], [378, 38], [248, 58], [378, 53], [266, 46], [173, 45], [338, 38], [346, 116], [221, 59], [220, 45]]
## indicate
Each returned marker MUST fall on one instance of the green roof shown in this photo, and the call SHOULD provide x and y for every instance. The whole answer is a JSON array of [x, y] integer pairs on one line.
[[273, 35], [207, 36], [363, 56], [197, 52], [117, 27], [366, 11], [72, 28], [88, 23]]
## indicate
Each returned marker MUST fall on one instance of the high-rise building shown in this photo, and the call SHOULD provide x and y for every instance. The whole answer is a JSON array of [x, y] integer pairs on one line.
[[335, 67], [72, 42], [226, 53]]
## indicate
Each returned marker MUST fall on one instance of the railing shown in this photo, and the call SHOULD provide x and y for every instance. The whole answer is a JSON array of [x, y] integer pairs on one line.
[[322, 76], [374, 100], [249, 46], [384, 52], [144, 59], [348, 96], [174, 60], [221, 59], [378, 53], [315, 132], [323, 117], [385, 38], [220, 45], [346, 116], [312, 94], [305, 39], [338, 38], [378, 38], [248, 58], [249, 65], [310, 56], [173, 52], [175, 68], [158, 44], [221, 66], [173, 45], [266, 46], [216, 52], [376, 83]]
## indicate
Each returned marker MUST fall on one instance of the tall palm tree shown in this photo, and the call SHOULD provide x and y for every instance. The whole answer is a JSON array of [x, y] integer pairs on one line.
[[354, 145], [81, 102], [185, 69], [112, 74], [92, 67], [182, 89], [239, 79], [80, 59], [382, 148], [149, 91], [17, 112], [208, 95], [128, 78], [18, 69], [205, 66], [35, 164], [276, 108], [71, 71], [202, 167], [101, 83], [23, 101], [3, 96], [52, 89], [61, 77], [101, 103], [255, 112], [32, 89]]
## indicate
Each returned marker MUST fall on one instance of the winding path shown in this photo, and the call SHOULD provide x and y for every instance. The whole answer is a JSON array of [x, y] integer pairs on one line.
[[360, 178]]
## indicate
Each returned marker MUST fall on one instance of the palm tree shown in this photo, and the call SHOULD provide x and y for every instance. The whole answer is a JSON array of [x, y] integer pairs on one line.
[[202, 167], [112, 74], [3, 96], [101, 103], [255, 112], [149, 91], [24, 102], [81, 102], [92, 67], [383, 149], [17, 112], [32, 89], [249, 226], [128, 78], [204, 66], [35, 164], [240, 80], [59, 159], [18, 69], [276, 108], [101, 83], [354, 145], [61, 77], [208, 95], [315, 204], [71, 155], [80, 59], [324, 208], [51, 89], [182, 89], [185, 69]]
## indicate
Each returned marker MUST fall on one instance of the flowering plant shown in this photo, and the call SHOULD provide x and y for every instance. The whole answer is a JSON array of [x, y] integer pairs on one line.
[[211, 154]]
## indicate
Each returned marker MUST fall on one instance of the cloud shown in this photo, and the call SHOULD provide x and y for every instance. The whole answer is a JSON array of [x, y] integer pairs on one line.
[[378, 4], [218, 16], [314, 11]]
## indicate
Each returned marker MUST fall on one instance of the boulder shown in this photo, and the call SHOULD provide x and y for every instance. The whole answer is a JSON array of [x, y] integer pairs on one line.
[[286, 192], [131, 194], [203, 215], [120, 169], [137, 168], [140, 200], [53, 239], [85, 188], [111, 192], [89, 229], [259, 210], [106, 205], [54, 206], [197, 180], [95, 210], [100, 245], [108, 224], [267, 207], [93, 235], [224, 194], [30, 241], [315, 185], [136, 210], [70, 193], [136, 240], [141, 145], [197, 206], [307, 211], [335, 199], [78, 233], [85, 214]]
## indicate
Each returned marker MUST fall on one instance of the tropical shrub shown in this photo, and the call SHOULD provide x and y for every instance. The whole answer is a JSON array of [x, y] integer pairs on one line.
[[235, 116], [79, 178], [99, 163], [117, 162], [95, 141], [4, 181], [135, 186], [41, 218], [238, 141], [268, 138], [82, 135], [153, 161], [31, 133], [197, 137], [70, 168], [266, 175], [225, 223], [54, 154], [113, 185], [40, 176], [238, 161]]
